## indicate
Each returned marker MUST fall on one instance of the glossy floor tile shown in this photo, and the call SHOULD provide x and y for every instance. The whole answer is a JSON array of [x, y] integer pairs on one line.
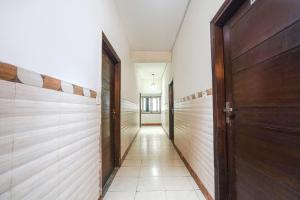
[[152, 170]]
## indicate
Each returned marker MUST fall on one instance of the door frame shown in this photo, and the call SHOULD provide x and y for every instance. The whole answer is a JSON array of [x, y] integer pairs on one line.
[[140, 120], [222, 183], [116, 123], [171, 111]]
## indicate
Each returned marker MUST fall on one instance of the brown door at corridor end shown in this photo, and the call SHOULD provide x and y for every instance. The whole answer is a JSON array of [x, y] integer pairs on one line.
[[262, 99], [171, 112]]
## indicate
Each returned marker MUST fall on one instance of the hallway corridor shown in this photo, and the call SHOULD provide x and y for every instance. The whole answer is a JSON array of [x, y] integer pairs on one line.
[[153, 170]]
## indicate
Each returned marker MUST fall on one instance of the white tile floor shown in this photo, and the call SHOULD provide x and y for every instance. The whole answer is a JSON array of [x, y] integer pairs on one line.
[[153, 170]]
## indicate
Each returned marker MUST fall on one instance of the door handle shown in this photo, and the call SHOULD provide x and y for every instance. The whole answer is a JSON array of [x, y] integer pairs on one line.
[[113, 114], [229, 112]]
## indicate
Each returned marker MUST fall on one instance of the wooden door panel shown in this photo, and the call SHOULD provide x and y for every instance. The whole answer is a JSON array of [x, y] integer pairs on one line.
[[275, 82], [277, 118], [107, 134], [255, 185], [262, 56], [263, 20], [275, 156], [278, 44]]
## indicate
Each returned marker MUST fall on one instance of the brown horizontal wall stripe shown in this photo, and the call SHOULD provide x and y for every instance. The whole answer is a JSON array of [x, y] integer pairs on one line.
[[209, 91], [200, 94], [93, 94], [9, 72], [78, 90], [51, 83]]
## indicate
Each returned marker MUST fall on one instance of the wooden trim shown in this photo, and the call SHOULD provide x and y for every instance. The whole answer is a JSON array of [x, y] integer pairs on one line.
[[107, 45], [194, 175], [152, 124], [109, 182], [51, 83], [218, 92], [78, 90], [8, 72], [192, 172]]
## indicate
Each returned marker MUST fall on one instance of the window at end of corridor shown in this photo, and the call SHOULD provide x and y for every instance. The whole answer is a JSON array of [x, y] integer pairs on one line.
[[151, 104]]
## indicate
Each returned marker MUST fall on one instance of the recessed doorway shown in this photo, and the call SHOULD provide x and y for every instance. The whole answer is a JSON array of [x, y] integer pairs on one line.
[[110, 113]]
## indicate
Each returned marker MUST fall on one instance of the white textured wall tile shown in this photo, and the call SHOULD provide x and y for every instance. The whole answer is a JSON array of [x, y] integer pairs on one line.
[[49, 144], [165, 117], [5, 180], [7, 90], [25, 92], [7, 103], [5, 196], [194, 137], [6, 144], [129, 123], [75, 99]]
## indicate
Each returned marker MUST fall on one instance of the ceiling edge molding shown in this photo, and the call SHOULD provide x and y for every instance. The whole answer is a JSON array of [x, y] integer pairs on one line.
[[151, 56], [181, 24]]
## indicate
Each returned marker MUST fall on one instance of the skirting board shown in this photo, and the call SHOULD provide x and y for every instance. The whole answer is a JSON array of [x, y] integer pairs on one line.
[[192, 172], [194, 175], [152, 124]]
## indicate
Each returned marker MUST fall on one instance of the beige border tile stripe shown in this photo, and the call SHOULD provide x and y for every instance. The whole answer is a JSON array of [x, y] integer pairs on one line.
[[197, 95], [9, 72]]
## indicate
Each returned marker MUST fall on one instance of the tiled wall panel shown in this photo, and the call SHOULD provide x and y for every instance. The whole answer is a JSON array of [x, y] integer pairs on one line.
[[165, 117], [194, 136], [49, 144], [129, 123]]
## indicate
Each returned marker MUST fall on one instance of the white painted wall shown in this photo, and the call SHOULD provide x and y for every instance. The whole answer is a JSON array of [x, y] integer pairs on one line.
[[191, 54], [63, 39], [191, 72]]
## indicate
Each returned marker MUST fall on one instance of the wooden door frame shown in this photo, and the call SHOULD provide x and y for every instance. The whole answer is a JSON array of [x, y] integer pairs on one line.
[[140, 120], [171, 135], [219, 95], [106, 45]]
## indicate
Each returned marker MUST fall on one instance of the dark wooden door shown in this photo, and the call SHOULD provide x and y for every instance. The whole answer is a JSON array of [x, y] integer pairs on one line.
[[262, 73], [171, 111], [107, 131]]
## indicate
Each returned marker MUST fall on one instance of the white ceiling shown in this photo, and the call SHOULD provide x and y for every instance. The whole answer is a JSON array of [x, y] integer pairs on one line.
[[145, 70], [151, 25]]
